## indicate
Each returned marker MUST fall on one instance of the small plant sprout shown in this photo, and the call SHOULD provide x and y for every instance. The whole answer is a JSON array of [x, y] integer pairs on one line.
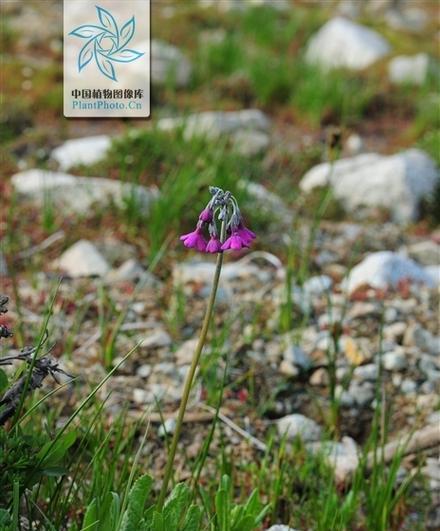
[[224, 223]]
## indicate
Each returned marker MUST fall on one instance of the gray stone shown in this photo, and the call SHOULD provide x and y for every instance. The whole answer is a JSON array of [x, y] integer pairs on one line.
[[366, 372], [363, 394], [185, 352], [408, 387], [281, 527], [296, 425], [214, 124], [144, 371], [159, 338], [411, 19], [296, 356], [341, 43], [249, 143], [394, 361], [397, 182], [82, 260], [342, 456], [418, 336], [288, 369], [426, 252], [167, 428], [395, 331], [410, 69], [87, 150], [131, 269], [385, 269], [168, 63], [320, 377], [78, 194]]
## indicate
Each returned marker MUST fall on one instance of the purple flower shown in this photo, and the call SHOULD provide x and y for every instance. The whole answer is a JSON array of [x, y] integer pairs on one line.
[[194, 240], [206, 215], [245, 234], [214, 245], [234, 242]]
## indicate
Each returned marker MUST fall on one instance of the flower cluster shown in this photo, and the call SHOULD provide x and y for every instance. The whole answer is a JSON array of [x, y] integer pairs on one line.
[[222, 208]]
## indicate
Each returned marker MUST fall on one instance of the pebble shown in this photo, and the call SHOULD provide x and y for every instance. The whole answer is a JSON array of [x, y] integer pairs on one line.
[[341, 43], [167, 428], [396, 182], [394, 361], [157, 339], [367, 372], [82, 260], [296, 424]]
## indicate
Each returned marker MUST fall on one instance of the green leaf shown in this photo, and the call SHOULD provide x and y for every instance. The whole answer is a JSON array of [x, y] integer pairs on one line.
[[137, 498], [57, 451], [247, 523], [174, 506], [91, 520], [158, 523], [192, 519], [111, 520], [3, 380]]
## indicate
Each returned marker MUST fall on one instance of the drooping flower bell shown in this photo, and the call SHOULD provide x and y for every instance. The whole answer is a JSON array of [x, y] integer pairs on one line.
[[223, 209]]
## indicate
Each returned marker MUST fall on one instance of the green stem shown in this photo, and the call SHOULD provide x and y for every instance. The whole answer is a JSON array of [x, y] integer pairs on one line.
[[190, 377]]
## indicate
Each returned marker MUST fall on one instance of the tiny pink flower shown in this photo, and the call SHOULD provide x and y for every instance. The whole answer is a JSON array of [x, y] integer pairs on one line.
[[206, 215], [245, 234], [214, 245], [194, 240], [234, 242]]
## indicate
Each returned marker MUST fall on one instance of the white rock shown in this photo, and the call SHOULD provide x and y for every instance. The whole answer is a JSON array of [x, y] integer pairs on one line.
[[144, 371], [159, 338], [434, 274], [288, 368], [295, 425], [82, 260], [394, 361], [349, 8], [341, 43], [296, 356], [168, 63], [385, 269], [408, 387], [87, 150], [354, 144], [185, 352], [281, 527], [213, 124], [78, 194], [250, 143], [318, 285], [396, 182], [426, 252], [167, 428], [129, 270], [409, 69], [342, 456], [268, 202], [412, 19], [367, 372]]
